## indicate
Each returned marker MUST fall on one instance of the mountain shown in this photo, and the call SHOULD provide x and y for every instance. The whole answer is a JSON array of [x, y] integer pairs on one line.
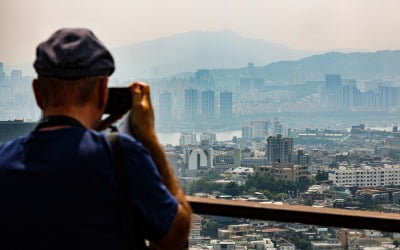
[[198, 49], [360, 65], [226, 53]]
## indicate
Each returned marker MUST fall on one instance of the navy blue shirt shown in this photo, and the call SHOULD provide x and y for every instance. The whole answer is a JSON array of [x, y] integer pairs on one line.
[[58, 190]]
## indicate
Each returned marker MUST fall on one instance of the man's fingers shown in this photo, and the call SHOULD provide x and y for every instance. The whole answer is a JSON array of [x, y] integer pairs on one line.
[[136, 94], [140, 92], [145, 88]]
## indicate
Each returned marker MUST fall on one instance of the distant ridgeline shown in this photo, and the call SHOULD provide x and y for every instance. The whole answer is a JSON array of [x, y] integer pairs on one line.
[[357, 65], [12, 129]]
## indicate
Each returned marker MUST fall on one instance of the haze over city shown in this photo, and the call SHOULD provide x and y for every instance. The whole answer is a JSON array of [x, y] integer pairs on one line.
[[287, 102], [308, 25]]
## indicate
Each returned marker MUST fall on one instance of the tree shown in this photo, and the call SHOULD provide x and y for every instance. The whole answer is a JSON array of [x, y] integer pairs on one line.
[[267, 194], [232, 189], [203, 185], [210, 228], [394, 154], [321, 176], [280, 196], [396, 242], [211, 174], [260, 182]]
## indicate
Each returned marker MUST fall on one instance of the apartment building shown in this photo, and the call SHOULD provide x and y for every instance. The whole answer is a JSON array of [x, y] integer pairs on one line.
[[365, 176], [284, 171]]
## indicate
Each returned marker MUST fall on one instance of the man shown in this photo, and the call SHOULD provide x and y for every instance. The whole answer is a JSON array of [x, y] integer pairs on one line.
[[58, 189]]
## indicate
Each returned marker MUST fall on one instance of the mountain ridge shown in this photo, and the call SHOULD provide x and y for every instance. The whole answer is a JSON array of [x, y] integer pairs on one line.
[[192, 50], [360, 65], [229, 52]]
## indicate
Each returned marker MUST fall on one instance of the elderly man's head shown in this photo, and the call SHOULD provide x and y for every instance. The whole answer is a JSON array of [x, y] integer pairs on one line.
[[72, 65]]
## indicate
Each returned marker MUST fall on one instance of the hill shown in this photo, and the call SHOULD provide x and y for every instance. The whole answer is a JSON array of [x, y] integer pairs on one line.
[[362, 66], [197, 49]]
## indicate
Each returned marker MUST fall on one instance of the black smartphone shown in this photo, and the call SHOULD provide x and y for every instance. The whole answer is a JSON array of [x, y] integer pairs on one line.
[[119, 101]]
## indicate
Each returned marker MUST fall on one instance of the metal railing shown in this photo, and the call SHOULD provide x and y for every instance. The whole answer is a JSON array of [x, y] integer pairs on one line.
[[297, 214]]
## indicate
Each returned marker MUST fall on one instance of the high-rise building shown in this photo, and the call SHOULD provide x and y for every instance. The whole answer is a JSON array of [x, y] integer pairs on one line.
[[207, 104], [247, 132], [245, 84], [204, 79], [187, 139], [302, 158], [278, 129], [2, 74], [173, 159], [333, 82], [165, 106], [207, 138], [248, 83], [255, 129], [251, 71], [350, 97], [225, 99], [16, 77], [191, 104], [388, 97], [279, 149], [260, 128]]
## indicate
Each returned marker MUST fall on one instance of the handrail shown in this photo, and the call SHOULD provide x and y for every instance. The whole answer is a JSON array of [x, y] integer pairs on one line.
[[297, 214]]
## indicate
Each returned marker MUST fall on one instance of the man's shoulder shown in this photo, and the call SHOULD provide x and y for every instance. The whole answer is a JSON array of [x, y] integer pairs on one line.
[[128, 141], [12, 144], [12, 150]]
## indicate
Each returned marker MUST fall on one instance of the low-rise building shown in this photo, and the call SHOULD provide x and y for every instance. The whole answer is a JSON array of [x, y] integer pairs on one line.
[[223, 245], [196, 225], [332, 244], [225, 157], [284, 244], [265, 244], [377, 195], [253, 161], [285, 171], [234, 231]]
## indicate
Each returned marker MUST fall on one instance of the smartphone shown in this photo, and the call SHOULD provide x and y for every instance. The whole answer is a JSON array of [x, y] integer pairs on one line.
[[119, 101]]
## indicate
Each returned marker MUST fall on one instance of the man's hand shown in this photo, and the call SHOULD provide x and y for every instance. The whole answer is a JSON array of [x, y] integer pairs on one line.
[[142, 113], [142, 128]]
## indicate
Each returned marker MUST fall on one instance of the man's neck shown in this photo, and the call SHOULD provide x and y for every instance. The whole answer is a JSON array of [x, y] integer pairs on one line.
[[86, 116]]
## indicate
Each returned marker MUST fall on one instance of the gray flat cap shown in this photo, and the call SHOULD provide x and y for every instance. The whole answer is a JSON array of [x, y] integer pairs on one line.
[[73, 54]]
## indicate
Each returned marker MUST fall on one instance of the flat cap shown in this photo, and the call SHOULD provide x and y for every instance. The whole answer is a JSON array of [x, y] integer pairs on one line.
[[73, 54]]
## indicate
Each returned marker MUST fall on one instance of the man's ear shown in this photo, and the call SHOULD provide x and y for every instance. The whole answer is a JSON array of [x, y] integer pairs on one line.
[[102, 92], [38, 95]]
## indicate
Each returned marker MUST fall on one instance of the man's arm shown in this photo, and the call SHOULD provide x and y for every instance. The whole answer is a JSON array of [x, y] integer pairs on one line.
[[142, 127]]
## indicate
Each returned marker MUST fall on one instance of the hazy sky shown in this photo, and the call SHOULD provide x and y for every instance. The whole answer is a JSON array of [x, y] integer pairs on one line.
[[303, 24]]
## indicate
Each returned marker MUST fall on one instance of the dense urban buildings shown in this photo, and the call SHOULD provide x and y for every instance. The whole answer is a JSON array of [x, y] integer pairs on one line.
[[291, 142]]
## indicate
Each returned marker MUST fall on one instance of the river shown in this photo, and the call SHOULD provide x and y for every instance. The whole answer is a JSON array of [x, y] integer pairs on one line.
[[173, 138]]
